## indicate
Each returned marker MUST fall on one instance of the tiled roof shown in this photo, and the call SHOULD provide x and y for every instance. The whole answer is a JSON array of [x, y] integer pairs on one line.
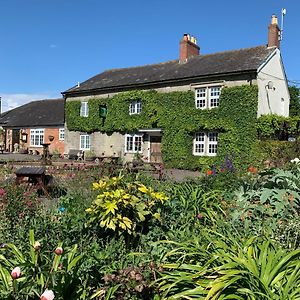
[[41, 113], [241, 60]]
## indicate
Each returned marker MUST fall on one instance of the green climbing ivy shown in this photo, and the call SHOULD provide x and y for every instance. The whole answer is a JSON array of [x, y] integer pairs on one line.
[[175, 113]]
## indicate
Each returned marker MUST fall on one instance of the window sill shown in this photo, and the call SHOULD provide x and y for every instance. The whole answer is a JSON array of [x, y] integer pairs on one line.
[[205, 154]]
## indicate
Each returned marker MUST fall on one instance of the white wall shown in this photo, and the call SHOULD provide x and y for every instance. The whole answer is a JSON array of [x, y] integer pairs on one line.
[[274, 100]]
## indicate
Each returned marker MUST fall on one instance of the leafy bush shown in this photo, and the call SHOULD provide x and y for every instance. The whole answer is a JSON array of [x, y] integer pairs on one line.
[[122, 206], [273, 198]]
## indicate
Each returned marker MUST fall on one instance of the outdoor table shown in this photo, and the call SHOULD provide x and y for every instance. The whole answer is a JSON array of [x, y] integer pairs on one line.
[[34, 175]]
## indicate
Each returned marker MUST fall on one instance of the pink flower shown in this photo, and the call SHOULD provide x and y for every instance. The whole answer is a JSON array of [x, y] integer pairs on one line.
[[2, 192], [15, 273], [59, 251], [47, 295], [26, 194], [199, 216]]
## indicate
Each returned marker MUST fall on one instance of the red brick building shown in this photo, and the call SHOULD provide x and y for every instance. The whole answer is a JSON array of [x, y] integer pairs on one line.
[[27, 127]]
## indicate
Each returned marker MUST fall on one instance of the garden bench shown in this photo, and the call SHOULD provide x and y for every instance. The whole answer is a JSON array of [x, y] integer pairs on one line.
[[75, 154]]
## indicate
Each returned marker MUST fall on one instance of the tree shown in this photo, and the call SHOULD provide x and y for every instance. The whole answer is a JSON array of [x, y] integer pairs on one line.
[[294, 101]]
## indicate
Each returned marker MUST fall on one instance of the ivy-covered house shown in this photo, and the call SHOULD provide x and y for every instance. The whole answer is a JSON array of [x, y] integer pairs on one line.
[[184, 112]]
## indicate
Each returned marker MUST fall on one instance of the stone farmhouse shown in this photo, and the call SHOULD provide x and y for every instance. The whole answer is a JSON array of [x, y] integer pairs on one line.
[[203, 75]]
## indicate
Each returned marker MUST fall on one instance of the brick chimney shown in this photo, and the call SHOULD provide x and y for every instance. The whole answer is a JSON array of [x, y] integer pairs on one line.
[[188, 47], [274, 33]]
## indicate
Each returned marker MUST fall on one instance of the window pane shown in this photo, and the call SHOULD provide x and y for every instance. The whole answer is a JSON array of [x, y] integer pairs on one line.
[[85, 142], [84, 109], [138, 143], [36, 137], [199, 142], [214, 96], [129, 143], [201, 98], [61, 134], [212, 149], [212, 136], [135, 107], [212, 142], [200, 136]]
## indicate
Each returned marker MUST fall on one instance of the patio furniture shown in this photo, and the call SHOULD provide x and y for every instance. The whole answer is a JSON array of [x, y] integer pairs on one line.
[[33, 176]]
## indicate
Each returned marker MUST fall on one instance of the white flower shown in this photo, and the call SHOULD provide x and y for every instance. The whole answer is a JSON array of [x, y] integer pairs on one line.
[[47, 295], [295, 160]]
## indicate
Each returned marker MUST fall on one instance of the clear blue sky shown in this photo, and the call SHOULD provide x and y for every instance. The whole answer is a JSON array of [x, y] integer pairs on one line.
[[47, 46]]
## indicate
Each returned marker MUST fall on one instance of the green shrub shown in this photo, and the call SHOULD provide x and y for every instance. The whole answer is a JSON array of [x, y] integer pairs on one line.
[[122, 206]]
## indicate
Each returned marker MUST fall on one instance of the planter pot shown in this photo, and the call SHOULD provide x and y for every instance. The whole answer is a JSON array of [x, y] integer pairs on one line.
[[51, 138], [90, 158], [23, 151]]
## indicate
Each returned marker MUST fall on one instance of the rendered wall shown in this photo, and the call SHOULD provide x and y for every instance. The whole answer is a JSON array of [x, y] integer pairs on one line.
[[273, 95]]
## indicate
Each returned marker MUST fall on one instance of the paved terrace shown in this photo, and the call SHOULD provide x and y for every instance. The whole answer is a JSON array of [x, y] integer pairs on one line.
[[22, 159]]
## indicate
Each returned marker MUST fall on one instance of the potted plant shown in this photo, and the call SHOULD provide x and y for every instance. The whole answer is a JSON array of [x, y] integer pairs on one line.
[[55, 153], [89, 155]]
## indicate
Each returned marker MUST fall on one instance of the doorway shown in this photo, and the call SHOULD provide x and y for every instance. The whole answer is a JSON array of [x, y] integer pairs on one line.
[[155, 149]]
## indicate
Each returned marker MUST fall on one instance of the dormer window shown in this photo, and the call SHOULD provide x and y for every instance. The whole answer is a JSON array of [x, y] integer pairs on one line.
[[84, 109], [135, 107], [207, 97]]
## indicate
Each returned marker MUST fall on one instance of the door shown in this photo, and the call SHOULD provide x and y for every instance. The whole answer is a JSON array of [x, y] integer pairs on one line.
[[15, 139], [155, 149]]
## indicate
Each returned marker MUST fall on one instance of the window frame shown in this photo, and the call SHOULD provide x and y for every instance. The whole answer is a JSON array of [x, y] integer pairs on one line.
[[61, 134], [85, 136], [135, 107], [206, 144], [84, 109], [136, 138], [35, 135], [211, 93]]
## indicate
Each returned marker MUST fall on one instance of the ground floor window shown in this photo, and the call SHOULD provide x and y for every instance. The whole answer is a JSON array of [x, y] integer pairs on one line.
[[85, 142], [36, 137], [133, 143], [61, 134], [205, 143]]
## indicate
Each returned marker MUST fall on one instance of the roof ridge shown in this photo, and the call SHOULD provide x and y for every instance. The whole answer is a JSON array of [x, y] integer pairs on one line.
[[142, 66], [177, 60]]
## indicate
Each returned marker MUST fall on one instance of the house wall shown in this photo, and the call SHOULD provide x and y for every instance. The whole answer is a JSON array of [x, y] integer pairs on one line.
[[56, 144], [108, 145], [273, 95]]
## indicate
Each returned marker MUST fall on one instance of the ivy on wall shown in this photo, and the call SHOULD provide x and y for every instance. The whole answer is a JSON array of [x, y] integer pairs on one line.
[[278, 127], [175, 113]]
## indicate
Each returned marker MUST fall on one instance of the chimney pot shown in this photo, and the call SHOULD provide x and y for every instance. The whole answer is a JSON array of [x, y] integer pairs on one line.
[[188, 47], [274, 33], [274, 20]]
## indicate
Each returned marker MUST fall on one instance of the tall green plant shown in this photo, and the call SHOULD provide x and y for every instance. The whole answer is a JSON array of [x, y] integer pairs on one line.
[[228, 268], [38, 271]]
